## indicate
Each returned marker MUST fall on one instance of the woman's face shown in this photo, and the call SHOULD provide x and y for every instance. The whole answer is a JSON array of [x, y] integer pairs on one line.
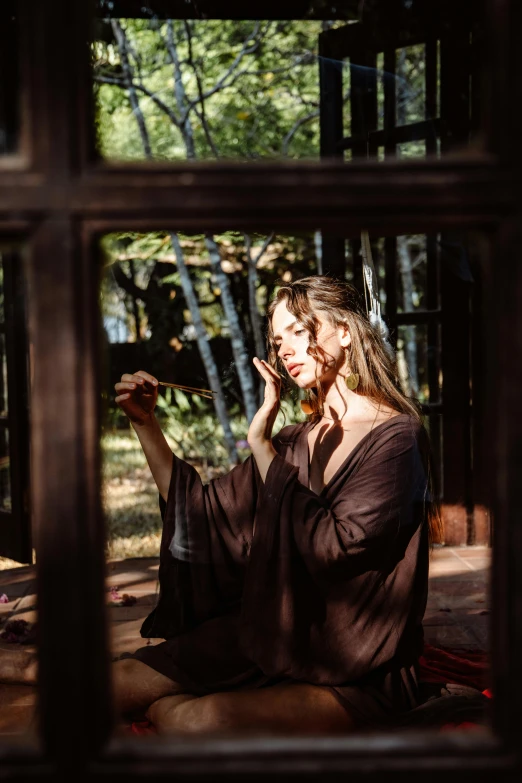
[[292, 340]]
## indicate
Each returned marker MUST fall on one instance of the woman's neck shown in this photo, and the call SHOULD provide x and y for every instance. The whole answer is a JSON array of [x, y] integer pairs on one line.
[[350, 406], [340, 405]]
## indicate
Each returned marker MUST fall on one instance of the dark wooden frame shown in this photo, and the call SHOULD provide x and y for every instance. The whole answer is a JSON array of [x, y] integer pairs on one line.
[[15, 533], [60, 199]]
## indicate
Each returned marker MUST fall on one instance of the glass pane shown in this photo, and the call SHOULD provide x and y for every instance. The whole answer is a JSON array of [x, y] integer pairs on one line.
[[200, 88], [412, 356], [411, 149], [9, 79], [3, 377], [18, 623], [194, 310], [1, 290], [18, 693], [412, 268], [205, 89], [5, 480], [410, 95]]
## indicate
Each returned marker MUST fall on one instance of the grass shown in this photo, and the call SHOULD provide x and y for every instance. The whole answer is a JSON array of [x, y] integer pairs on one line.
[[130, 497]]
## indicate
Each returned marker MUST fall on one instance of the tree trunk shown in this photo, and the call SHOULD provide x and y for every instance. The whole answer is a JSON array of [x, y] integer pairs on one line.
[[135, 307], [239, 349], [318, 242], [186, 282], [410, 344], [180, 95], [204, 348], [255, 318], [123, 48]]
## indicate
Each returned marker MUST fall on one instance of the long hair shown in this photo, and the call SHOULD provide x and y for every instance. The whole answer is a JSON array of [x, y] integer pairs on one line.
[[368, 356]]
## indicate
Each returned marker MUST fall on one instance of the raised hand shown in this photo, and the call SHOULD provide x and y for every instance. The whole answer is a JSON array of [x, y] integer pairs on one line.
[[137, 395], [261, 426]]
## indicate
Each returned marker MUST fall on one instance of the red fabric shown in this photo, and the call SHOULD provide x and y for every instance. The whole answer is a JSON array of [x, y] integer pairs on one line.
[[142, 728], [462, 667]]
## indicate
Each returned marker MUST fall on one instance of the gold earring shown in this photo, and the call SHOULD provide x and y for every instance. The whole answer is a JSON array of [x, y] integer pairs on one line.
[[306, 407], [352, 381]]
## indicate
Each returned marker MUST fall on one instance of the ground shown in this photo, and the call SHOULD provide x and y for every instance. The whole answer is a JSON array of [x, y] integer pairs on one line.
[[457, 614]]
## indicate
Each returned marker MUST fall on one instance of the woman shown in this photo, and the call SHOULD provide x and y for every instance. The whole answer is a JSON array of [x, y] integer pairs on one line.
[[292, 590]]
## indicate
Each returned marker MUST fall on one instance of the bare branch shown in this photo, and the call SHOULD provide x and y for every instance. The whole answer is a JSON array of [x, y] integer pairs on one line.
[[264, 248], [300, 59], [141, 88], [293, 130], [128, 284], [200, 114], [245, 49]]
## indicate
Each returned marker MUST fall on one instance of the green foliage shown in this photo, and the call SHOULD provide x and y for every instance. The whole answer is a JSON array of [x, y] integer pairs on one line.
[[163, 310], [130, 498], [191, 426], [274, 86]]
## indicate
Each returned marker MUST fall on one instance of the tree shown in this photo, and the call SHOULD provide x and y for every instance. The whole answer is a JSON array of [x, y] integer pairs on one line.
[[186, 283], [181, 114]]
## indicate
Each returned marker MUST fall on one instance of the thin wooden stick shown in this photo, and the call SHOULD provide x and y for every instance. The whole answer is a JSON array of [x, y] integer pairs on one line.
[[207, 393], [181, 386]]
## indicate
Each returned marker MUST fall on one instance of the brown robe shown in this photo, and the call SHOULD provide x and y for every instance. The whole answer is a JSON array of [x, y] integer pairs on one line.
[[330, 590]]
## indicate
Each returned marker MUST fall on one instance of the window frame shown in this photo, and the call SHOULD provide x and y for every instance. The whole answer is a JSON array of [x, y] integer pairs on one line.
[[16, 529], [60, 200]]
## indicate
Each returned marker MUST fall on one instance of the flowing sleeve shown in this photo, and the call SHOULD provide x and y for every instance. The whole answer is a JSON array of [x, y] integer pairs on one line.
[[338, 571], [206, 538]]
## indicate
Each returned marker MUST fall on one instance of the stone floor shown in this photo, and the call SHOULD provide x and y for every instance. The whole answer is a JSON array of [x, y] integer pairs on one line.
[[457, 614]]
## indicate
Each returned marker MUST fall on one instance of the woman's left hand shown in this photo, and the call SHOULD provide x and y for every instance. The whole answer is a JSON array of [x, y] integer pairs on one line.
[[261, 426]]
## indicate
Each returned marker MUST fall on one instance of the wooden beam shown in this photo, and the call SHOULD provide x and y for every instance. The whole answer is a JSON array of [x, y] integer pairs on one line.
[[74, 690], [65, 496], [229, 9], [389, 197], [331, 103]]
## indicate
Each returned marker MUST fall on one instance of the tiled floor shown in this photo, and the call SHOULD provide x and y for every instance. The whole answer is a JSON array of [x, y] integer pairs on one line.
[[457, 614]]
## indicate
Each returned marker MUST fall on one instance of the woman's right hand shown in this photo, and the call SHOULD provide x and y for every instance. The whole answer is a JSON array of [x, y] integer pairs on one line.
[[137, 395]]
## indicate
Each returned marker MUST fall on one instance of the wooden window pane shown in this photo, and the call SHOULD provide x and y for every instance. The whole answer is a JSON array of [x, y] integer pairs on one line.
[[141, 267], [4, 403], [9, 81], [5, 478], [201, 89], [410, 84]]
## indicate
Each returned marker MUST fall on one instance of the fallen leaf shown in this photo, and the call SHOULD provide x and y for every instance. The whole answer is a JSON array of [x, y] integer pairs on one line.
[[115, 596]]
